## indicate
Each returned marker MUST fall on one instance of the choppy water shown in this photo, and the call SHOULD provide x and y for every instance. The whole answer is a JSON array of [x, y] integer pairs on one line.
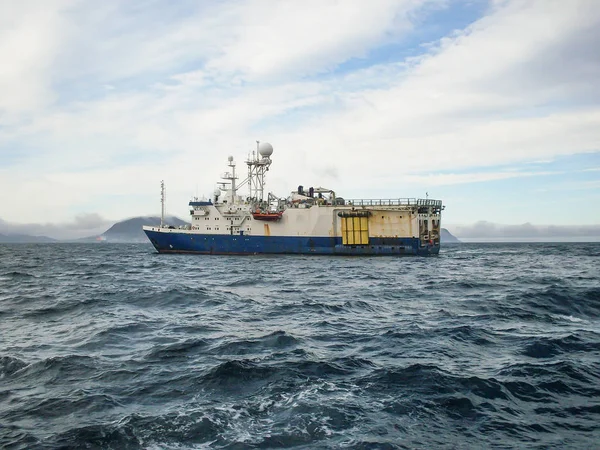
[[115, 346]]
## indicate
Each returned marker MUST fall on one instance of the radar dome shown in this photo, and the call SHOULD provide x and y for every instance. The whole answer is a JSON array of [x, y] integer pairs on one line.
[[230, 158], [265, 149]]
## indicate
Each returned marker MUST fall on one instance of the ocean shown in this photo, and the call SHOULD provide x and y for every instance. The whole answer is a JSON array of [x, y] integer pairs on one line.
[[113, 346]]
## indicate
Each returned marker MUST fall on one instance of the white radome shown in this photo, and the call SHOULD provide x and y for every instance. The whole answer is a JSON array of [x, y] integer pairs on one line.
[[265, 149]]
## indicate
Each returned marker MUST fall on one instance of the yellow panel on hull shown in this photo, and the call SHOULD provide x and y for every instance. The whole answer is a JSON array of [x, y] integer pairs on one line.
[[355, 230]]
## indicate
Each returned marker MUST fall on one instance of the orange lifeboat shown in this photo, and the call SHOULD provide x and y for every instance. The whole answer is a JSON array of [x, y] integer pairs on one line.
[[267, 216]]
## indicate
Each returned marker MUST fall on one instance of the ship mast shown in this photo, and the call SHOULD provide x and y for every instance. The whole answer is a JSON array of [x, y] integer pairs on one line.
[[230, 186], [233, 178], [163, 198]]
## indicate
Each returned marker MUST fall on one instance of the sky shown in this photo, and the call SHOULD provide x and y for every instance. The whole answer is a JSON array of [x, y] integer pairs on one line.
[[491, 106]]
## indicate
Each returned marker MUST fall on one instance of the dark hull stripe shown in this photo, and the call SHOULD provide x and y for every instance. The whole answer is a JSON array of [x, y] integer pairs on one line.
[[173, 242]]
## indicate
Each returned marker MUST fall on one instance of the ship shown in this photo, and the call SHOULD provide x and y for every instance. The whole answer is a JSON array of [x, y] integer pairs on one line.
[[239, 219]]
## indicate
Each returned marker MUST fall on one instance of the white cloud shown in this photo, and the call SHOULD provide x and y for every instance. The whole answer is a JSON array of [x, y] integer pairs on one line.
[[31, 33], [84, 225], [483, 230], [142, 97], [299, 38], [446, 179]]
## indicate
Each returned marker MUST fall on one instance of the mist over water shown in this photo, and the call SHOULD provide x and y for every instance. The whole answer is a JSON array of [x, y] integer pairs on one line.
[[115, 346]]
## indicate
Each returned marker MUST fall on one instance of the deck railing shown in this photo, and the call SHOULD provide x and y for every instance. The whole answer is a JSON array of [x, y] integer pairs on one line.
[[394, 202]]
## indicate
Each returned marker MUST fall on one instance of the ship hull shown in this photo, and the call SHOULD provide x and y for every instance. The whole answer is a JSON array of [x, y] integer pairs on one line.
[[210, 244]]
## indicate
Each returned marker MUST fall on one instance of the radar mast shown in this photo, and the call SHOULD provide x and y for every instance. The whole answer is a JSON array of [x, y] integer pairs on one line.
[[258, 165]]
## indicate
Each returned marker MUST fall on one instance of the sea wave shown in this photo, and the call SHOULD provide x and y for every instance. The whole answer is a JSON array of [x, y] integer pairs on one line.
[[485, 346]]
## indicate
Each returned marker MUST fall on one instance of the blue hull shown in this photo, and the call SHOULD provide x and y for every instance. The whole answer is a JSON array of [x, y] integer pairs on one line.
[[173, 242]]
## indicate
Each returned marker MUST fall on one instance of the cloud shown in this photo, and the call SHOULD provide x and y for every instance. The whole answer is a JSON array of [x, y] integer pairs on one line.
[[91, 221], [488, 230], [117, 97], [477, 99], [84, 225], [446, 179], [31, 33], [301, 38]]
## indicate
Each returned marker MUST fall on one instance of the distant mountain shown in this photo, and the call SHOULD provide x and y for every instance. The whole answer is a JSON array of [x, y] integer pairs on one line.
[[447, 238], [24, 239], [130, 230]]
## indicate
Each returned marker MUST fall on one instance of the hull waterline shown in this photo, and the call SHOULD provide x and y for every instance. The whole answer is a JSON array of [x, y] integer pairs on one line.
[[186, 243]]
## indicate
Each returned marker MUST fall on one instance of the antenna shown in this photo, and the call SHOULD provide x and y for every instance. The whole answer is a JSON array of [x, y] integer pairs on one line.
[[163, 199], [258, 165]]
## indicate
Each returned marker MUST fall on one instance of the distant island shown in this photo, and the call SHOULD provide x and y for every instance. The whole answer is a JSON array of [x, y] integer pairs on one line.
[[24, 239], [130, 230], [448, 238]]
